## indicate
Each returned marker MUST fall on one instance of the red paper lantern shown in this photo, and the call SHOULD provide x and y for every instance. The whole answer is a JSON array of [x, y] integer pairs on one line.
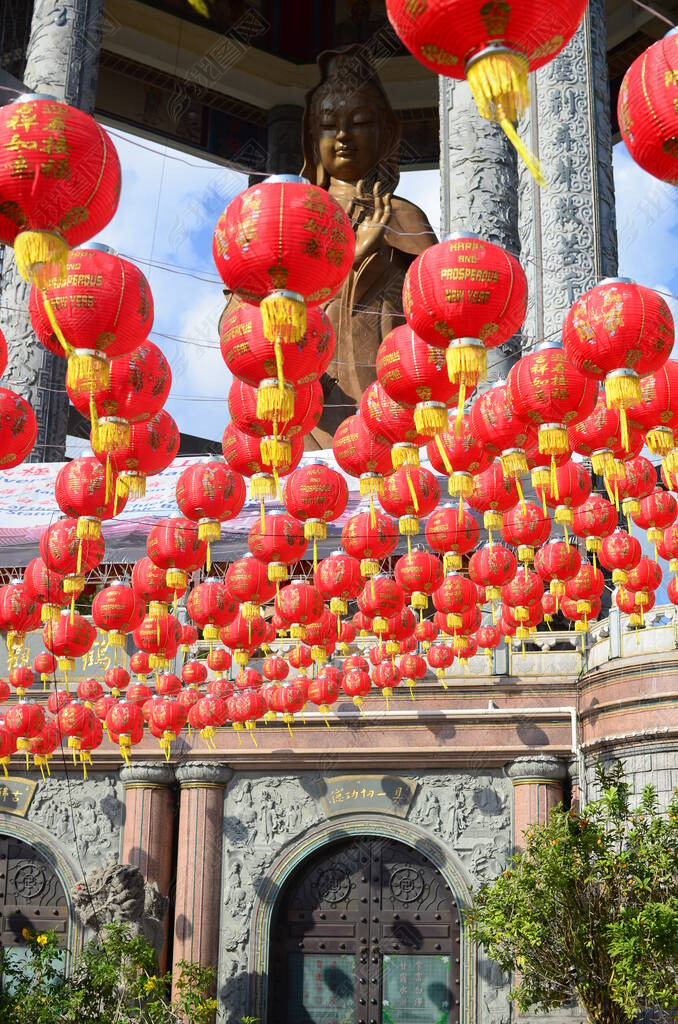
[[635, 603], [210, 493], [18, 428], [493, 494], [380, 599], [316, 495], [371, 538], [618, 332], [60, 182], [594, 520], [452, 533], [279, 542], [656, 511], [488, 637], [391, 423], [19, 614], [597, 437], [298, 604], [441, 302], [114, 610], [194, 673], [82, 493], [117, 678], [211, 606], [158, 638], [440, 658], [419, 573], [548, 391], [102, 308], [338, 579], [646, 575], [412, 374], [657, 412], [284, 244], [46, 588], [23, 721], [667, 547], [243, 454], [492, 567], [496, 425], [243, 636], [460, 455], [493, 46], [526, 527], [523, 590], [149, 583], [247, 579], [153, 445], [360, 453], [646, 111], [455, 597], [572, 489], [386, 677], [411, 493], [167, 719], [219, 660], [65, 553], [556, 562], [584, 589], [45, 665], [70, 637], [125, 726], [21, 679], [173, 544]]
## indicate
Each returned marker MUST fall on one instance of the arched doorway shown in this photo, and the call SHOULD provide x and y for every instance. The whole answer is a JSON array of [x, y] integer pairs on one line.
[[31, 895], [365, 932]]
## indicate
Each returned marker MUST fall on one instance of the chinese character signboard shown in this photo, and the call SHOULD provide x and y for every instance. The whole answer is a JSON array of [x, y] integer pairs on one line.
[[356, 794], [16, 795], [416, 990], [321, 989]]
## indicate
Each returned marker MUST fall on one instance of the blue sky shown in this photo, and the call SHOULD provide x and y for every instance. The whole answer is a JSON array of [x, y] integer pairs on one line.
[[170, 203]]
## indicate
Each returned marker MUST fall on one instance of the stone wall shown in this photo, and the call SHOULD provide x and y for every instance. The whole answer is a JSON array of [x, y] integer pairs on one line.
[[466, 817], [645, 764]]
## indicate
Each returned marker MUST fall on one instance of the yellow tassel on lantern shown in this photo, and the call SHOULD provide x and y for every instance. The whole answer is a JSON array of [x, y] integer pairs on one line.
[[603, 463], [660, 440], [622, 390], [277, 572], [276, 451], [466, 362], [408, 526], [499, 82], [371, 483], [404, 453], [88, 528], [275, 401], [88, 370], [369, 566], [283, 317], [460, 485], [430, 418], [41, 257], [451, 562], [553, 439], [338, 606], [131, 485], [112, 433], [563, 515], [514, 463], [176, 579]]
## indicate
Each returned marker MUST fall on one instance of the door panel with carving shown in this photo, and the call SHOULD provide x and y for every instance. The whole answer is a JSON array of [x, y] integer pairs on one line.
[[31, 895], [366, 932]]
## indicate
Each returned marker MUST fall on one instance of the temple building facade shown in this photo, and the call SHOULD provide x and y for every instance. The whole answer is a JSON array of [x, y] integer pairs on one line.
[[325, 872]]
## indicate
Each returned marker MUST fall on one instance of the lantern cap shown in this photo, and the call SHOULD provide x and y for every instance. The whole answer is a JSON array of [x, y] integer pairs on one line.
[[453, 236], [466, 343], [543, 345], [496, 46], [100, 247], [285, 179], [31, 97], [671, 32], [616, 280]]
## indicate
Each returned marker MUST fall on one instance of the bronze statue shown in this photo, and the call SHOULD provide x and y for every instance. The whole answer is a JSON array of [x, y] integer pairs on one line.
[[351, 141]]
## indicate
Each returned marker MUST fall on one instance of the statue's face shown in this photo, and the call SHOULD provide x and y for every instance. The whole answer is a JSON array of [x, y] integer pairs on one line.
[[349, 138]]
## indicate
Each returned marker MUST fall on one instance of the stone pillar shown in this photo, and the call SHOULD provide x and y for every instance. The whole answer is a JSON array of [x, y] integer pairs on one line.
[[283, 139], [537, 788], [568, 235], [573, 772], [479, 186], [148, 833], [62, 60], [199, 854]]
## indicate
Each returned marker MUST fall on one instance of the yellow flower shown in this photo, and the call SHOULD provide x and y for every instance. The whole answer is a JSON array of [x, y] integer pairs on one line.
[[26, 932], [150, 983], [41, 939]]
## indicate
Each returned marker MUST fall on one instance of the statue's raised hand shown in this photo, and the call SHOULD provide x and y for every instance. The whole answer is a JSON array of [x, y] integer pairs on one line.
[[370, 230]]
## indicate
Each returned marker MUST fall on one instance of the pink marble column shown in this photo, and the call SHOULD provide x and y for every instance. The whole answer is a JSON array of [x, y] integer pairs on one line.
[[537, 788], [148, 832], [199, 851]]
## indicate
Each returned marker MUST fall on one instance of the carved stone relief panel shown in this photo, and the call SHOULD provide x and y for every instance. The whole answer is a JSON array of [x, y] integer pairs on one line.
[[83, 817]]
